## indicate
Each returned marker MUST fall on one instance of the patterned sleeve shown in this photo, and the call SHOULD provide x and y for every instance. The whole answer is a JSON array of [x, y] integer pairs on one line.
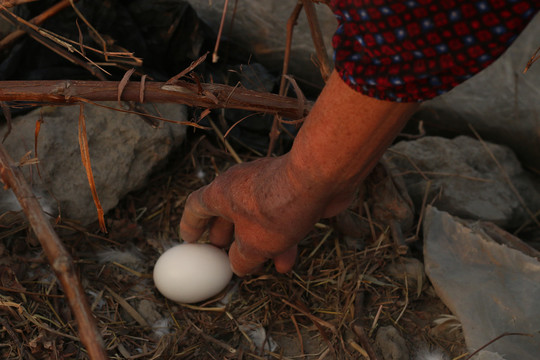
[[414, 50]]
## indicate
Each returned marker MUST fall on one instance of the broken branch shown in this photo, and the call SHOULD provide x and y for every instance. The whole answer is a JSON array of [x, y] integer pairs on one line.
[[74, 92], [58, 257]]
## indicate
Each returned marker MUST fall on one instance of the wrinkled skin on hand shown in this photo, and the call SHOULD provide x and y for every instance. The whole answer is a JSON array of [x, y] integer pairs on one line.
[[271, 204], [262, 208]]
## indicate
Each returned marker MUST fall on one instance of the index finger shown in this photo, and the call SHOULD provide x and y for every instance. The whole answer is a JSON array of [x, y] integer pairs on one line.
[[196, 217]]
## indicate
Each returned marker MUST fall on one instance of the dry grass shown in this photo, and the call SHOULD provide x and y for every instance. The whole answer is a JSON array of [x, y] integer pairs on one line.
[[309, 312]]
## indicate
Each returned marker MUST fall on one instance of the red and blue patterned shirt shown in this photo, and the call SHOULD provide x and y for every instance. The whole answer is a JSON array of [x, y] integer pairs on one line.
[[414, 50]]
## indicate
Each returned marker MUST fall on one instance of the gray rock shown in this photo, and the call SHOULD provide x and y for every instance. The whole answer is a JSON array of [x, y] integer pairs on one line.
[[465, 180], [391, 344], [500, 102], [409, 272], [123, 151], [260, 27]]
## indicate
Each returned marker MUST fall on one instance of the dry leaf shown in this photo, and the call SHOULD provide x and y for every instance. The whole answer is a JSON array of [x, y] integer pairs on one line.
[[122, 84]]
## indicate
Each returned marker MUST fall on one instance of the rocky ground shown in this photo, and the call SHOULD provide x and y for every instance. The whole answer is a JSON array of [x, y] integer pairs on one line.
[[369, 283]]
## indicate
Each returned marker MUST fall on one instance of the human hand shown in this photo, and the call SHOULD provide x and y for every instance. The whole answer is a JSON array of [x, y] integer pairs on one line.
[[269, 205], [264, 206]]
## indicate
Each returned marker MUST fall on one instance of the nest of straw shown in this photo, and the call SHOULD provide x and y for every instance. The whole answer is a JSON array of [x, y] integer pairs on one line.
[[330, 307]]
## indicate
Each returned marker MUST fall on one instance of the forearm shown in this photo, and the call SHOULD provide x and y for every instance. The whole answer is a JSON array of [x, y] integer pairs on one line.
[[265, 207], [344, 136]]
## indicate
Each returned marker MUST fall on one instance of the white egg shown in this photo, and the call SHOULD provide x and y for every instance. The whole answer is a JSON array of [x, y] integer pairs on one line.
[[191, 273]]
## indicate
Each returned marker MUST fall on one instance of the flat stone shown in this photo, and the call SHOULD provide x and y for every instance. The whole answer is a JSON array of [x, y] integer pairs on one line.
[[492, 288]]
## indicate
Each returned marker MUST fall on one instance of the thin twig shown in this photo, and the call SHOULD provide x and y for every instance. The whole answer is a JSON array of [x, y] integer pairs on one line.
[[236, 123], [494, 340], [190, 68], [11, 3], [506, 177], [316, 35], [443, 174], [312, 317], [85, 157], [215, 56], [126, 306], [38, 20], [97, 35], [502, 237], [423, 208], [299, 334], [291, 22], [9, 330], [532, 60], [58, 257], [46, 41], [358, 327], [226, 143]]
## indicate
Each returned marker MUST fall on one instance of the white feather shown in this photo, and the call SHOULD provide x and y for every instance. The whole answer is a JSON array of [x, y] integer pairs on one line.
[[430, 354]]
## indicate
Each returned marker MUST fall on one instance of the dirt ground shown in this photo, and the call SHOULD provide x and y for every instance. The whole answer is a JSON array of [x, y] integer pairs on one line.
[[342, 290]]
